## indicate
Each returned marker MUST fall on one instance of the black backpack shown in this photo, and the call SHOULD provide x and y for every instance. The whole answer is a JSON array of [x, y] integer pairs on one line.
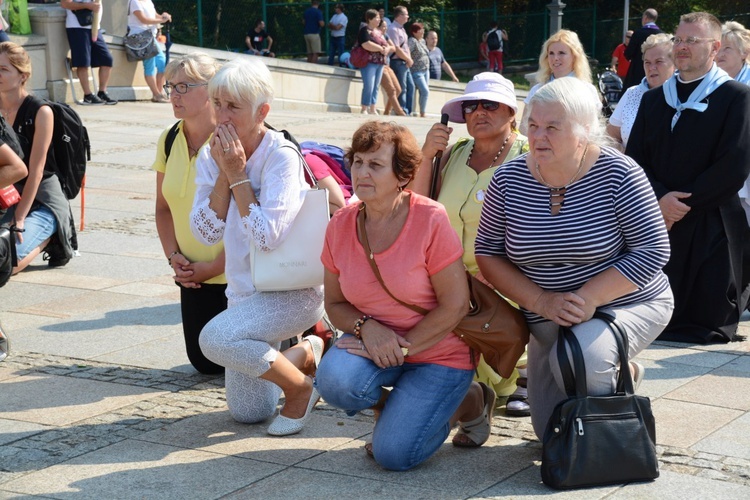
[[70, 148], [494, 40]]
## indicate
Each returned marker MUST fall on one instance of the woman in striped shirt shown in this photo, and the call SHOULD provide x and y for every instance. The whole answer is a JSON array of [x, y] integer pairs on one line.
[[571, 227]]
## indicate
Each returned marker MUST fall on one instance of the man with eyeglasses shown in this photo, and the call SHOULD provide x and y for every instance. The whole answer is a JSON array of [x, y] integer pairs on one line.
[[401, 61], [633, 53], [692, 138]]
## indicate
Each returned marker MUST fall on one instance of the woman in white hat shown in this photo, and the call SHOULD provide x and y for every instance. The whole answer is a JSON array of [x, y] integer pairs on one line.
[[488, 107]]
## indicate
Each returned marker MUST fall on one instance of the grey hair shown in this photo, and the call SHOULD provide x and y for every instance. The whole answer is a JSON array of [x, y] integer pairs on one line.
[[245, 80], [658, 39], [581, 104]]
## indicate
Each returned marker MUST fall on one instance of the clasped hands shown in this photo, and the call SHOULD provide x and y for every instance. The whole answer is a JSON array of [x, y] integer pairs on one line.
[[228, 153], [672, 209], [564, 308], [381, 345]]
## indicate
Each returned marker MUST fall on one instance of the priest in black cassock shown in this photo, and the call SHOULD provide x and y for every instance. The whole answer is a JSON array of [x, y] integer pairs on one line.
[[692, 138]]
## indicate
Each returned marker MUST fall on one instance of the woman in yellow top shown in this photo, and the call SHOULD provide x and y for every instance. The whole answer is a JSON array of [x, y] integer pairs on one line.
[[488, 107], [198, 268]]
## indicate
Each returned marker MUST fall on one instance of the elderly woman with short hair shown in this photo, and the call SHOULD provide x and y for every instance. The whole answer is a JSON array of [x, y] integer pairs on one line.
[[571, 227], [390, 345], [734, 53], [659, 66], [250, 188]]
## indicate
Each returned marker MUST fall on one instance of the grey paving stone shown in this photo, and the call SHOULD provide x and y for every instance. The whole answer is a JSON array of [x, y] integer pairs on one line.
[[724, 388], [682, 424], [13, 430], [461, 472], [732, 440], [217, 432], [676, 486], [55, 400], [302, 483], [527, 484], [136, 469]]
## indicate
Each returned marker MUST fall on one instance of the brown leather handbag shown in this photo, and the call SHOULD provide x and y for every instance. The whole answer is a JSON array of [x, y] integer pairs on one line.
[[492, 326]]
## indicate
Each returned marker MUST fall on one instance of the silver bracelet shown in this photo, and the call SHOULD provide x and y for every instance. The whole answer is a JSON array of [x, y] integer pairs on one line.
[[235, 184], [218, 195]]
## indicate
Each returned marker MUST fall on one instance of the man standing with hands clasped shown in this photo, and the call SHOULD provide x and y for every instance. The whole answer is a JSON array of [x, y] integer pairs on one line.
[[692, 138]]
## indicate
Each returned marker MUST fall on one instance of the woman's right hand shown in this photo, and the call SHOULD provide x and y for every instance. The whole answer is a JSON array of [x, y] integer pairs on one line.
[[564, 309], [379, 344], [228, 153], [437, 140]]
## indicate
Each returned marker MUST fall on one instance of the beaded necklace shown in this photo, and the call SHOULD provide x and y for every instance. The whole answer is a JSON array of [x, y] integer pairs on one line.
[[557, 193]]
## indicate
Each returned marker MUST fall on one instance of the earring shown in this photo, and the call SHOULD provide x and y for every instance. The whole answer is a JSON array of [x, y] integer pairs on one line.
[[400, 188]]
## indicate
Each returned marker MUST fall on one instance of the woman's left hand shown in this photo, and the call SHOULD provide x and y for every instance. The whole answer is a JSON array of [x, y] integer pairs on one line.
[[228, 153], [382, 346]]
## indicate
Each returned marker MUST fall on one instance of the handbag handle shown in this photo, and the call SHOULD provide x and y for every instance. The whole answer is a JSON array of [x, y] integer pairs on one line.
[[575, 384], [361, 217]]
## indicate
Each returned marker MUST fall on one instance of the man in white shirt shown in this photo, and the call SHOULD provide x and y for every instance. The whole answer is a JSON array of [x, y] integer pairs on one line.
[[337, 25]]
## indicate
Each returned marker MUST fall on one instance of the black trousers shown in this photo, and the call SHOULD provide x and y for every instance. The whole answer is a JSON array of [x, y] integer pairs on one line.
[[199, 306]]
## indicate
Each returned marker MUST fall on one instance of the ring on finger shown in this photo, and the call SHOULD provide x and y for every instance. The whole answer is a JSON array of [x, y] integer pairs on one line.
[[226, 150]]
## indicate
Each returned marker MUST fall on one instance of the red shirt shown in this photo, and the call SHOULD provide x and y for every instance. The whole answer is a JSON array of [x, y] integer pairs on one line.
[[622, 63]]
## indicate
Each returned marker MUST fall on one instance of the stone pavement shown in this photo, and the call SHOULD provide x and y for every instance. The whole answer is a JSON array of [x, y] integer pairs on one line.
[[98, 400]]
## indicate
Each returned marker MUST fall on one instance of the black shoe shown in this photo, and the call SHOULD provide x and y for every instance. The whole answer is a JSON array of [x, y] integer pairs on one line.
[[92, 99], [105, 97], [54, 254]]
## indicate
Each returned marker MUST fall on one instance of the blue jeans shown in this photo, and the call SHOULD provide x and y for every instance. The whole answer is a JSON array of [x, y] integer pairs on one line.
[[405, 80], [39, 225], [371, 75], [336, 47], [420, 81], [415, 420]]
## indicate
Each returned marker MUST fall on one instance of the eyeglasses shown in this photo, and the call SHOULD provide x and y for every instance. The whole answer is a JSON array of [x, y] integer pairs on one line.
[[469, 107], [691, 40], [181, 88]]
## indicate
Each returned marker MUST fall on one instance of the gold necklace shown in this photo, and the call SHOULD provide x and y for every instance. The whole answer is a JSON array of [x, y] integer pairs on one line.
[[557, 193], [502, 148]]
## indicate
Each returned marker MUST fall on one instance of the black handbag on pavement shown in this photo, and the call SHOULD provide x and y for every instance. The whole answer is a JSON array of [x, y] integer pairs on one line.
[[598, 440]]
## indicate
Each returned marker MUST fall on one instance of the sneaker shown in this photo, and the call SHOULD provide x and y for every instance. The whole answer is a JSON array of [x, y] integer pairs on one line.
[[54, 254], [4, 344], [92, 99], [105, 98]]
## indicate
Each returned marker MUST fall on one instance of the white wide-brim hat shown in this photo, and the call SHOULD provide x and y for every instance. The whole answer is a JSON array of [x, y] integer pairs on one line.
[[488, 86]]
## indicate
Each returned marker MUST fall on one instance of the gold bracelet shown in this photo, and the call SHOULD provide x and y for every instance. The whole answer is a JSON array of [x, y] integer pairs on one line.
[[218, 195]]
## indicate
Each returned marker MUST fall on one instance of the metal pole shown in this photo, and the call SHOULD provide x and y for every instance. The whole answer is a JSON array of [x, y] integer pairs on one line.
[[625, 18], [199, 7], [555, 15]]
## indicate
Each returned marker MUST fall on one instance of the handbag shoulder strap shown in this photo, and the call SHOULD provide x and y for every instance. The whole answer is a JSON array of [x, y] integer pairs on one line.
[[436, 166], [575, 384], [361, 217]]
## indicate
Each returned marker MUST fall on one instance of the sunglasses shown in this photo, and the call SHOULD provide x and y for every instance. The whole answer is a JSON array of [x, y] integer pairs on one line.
[[469, 107]]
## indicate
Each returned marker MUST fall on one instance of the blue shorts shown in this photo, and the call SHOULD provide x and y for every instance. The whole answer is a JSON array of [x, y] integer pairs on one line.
[[84, 52], [155, 64]]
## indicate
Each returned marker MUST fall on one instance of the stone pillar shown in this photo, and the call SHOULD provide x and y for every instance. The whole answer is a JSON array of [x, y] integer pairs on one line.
[[555, 15]]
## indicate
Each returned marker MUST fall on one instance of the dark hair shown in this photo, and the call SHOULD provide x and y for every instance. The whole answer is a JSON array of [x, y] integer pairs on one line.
[[416, 27], [407, 155], [257, 23], [339, 6], [371, 14]]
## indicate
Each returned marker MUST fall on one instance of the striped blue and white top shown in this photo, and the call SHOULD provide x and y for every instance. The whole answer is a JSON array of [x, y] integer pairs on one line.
[[610, 217]]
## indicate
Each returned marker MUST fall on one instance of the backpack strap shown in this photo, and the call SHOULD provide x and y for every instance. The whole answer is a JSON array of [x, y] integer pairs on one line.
[[169, 141]]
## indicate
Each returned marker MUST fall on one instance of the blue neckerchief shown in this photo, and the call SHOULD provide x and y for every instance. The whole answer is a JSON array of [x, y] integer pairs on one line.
[[644, 84], [712, 81], [744, 75]]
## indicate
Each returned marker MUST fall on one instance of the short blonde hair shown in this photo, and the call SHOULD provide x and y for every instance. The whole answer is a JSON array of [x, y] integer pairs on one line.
[[198, 67], [246, 80], [581, 67], [738, 35], [658, 39]]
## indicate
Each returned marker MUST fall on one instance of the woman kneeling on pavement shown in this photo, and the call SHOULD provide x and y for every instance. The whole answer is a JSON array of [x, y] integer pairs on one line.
[[250, 187], [418, 255], [570, 227]]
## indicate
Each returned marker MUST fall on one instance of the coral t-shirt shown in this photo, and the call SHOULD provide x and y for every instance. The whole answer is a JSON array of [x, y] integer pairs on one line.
[[426, 245]]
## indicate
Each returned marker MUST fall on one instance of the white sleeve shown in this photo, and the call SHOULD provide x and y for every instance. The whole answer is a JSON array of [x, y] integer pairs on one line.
[[204, 223]]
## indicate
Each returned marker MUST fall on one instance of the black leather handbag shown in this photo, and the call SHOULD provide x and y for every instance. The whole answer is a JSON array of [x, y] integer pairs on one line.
[[598, 440]]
